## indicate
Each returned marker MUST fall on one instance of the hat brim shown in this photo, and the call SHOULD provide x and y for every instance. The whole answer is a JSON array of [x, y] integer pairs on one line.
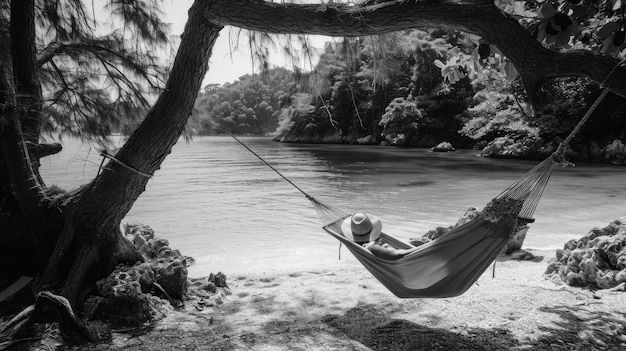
[[377, 226]]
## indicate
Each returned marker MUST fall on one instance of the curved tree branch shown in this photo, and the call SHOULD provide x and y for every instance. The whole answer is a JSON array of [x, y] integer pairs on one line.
[[534, 62]]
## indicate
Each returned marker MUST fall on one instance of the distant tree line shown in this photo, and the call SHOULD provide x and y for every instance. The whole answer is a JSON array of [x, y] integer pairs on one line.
[[396, 90], [250, 105]]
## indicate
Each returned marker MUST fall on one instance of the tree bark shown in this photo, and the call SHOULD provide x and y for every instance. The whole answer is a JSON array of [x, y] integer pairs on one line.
[[21, 100], [24, 54], [535, 63]]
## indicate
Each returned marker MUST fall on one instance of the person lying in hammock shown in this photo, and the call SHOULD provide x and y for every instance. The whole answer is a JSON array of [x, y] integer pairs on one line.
[[365, 229]]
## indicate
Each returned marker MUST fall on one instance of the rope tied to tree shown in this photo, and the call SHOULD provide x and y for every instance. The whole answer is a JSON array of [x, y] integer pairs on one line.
[[559, 154], [105, 154]]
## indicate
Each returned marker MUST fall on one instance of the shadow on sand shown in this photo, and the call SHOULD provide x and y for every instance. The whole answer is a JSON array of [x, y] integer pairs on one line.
[[368, 325]]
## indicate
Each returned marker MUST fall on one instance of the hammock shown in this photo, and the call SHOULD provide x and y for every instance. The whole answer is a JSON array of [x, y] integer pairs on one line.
[[450, 264]]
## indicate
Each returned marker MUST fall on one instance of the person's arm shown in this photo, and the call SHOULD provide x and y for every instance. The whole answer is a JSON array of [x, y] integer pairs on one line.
[[387, 253]]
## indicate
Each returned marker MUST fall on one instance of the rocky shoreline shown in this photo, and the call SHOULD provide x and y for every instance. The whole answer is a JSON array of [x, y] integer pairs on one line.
[[613, 153]]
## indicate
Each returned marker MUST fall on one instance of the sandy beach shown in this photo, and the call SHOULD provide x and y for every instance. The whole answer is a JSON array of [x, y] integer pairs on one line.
[[347, 309]]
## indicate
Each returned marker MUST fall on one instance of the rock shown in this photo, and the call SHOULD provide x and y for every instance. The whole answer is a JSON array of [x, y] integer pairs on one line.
[[398, 140], [124, 297], [596, 260], [367, 140], [155, 245], [552, 267], [523, 255], [574, 279], [621, 276], [614, 153], [210, 286], [434, 233], [133, 295], [418, 241], [172, 276], [570, 245], [143, 230], [508, 147], [443, 147], [218, 279], [470, 214], [517, 239]]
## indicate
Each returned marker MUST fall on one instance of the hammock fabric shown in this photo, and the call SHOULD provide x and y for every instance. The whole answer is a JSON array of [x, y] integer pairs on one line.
[[449, 265]]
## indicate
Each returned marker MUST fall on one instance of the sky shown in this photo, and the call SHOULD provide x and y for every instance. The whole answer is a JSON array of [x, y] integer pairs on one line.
[[227, 64]]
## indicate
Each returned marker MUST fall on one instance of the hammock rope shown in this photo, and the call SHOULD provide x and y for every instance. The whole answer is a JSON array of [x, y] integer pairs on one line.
[[326, 213], [561, 149], [267, 163]]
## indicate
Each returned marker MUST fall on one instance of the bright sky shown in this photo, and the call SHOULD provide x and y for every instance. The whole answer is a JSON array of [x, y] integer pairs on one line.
[[227, 64]]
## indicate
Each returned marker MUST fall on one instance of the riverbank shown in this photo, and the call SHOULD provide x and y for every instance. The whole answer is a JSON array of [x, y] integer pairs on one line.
[[347, 309]]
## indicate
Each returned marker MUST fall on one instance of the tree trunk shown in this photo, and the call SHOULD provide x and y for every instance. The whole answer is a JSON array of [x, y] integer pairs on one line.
[[23, 197], [91, 243], [78, 235], [24, 54]]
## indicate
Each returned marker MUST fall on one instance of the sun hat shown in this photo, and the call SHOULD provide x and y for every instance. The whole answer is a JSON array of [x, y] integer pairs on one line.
[[361, 227]]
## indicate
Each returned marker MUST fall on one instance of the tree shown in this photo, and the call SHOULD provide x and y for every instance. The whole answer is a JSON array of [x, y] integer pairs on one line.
[[535, 62], [76, 235], [70, 240], [247, 106]]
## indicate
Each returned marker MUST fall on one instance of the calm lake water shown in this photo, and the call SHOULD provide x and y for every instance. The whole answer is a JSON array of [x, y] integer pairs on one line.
[[216, 202]]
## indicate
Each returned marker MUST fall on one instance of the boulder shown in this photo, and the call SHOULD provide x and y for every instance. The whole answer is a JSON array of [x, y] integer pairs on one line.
[[172, 276], [596, 260], [443, 147], [398, 140], [133, 295], [514, 244], [124, 297], [367, 140], [218, 279], [509, 147], [614, 153], [517, 239], [471, 213]]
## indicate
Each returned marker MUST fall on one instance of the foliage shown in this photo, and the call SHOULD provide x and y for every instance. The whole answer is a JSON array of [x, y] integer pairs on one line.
[[381, 87], [93, 76], [497, 110], [246, 106], [558, 24], [301, 115], [595, 25], [568, 100], [420, 88]]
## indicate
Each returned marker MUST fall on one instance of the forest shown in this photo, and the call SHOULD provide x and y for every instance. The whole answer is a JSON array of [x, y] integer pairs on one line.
[[395, 90]]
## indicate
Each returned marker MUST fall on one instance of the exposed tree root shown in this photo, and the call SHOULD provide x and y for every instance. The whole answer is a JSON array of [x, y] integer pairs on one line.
[[73, 329]]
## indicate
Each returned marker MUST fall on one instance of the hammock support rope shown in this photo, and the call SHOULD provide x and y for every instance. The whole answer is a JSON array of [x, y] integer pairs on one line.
[[450, 264]]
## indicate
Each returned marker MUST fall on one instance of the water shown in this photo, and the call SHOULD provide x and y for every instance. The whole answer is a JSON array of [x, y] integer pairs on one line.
[[216, 202]]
